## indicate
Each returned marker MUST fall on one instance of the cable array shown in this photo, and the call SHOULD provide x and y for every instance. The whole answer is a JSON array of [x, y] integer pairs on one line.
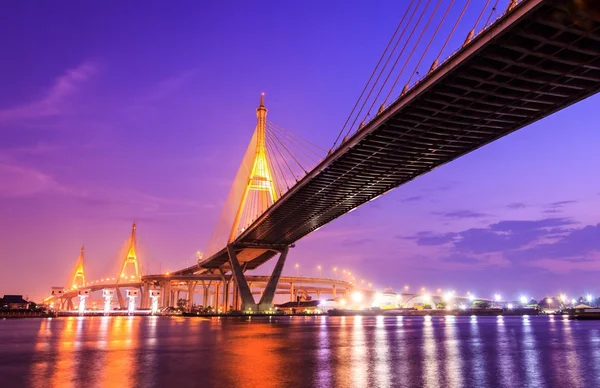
[[288, 158], [291, 156], [405, 57]]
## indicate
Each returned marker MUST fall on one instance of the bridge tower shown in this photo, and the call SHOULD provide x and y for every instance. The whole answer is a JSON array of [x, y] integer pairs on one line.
[[259, 182], [78, 279], [131, 260], [260, 179]]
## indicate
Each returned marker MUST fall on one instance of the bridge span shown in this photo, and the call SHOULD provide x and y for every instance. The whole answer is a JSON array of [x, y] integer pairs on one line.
[[522, 68], [539, 57]]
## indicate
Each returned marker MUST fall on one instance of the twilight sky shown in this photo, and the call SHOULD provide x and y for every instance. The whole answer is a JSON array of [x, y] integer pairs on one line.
[[110, 113]]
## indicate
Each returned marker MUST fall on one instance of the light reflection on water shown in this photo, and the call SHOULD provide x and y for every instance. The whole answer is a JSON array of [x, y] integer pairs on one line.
[[300, 351], [430, 355], [382, 356]]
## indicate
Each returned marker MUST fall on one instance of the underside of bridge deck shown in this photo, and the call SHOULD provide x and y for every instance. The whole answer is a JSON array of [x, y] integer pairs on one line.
[[534, 61]]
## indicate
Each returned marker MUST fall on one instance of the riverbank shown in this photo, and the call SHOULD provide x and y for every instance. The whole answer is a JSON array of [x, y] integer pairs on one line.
[[422, 313]]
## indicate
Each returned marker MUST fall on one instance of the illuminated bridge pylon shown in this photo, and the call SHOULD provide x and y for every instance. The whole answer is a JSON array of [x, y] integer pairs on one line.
[[78, 278], [259, 191], [130, 270], [275, 160]]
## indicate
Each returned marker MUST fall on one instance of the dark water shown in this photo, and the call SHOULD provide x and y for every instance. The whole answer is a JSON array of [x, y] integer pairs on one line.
[[300, 352]]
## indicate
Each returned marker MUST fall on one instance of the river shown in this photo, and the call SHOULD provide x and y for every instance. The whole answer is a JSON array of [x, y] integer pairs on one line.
[[300, 352]]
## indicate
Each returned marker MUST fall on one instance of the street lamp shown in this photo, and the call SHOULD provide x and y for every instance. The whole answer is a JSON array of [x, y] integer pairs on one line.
[[497, 297], [588, 298], [297, 266], [523, 300], [319, 268], [335, 272]]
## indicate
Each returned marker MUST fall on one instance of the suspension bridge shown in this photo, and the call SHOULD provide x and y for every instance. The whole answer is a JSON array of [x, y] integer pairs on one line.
[[416, 112]]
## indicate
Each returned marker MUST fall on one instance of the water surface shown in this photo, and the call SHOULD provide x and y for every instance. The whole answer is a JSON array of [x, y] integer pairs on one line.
[[300, 352]]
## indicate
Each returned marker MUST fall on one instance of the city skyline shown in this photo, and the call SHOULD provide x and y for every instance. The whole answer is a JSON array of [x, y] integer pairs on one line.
[[115, 129]]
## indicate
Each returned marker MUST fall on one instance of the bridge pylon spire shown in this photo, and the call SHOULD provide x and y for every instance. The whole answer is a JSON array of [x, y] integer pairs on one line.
[[260, 180], [131, 259], [78, 279]]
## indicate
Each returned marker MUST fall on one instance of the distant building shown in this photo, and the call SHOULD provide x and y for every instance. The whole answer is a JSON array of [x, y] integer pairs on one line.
[[13, 302]]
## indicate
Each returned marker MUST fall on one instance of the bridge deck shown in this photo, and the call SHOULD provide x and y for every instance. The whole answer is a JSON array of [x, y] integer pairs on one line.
[[531, 63]]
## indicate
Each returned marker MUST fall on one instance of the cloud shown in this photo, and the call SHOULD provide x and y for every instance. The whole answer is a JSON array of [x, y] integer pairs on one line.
[[557, 207], [507, 235], [357, 242], [170, 85], [461, 259], [525, 225], [551, 211], [554, 244], [21, 181], [516, 205], [416, 198], [461, 214], [561, 203], [52, 102], [427, 238], [574, 245]]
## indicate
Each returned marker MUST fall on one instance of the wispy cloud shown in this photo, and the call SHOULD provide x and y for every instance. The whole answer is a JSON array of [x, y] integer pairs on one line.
[[170, 85], [357, 242], [415, 198], [52, 102], [21, 181], [554, 244], [426, 238], [560, 204], [551, 211], [516, 205], [460, 214]]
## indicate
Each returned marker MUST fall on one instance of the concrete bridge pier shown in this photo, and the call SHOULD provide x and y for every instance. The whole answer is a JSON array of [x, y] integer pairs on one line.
[[190, 294], [244, 291], [216, 294], [166, 294], [205, 294]]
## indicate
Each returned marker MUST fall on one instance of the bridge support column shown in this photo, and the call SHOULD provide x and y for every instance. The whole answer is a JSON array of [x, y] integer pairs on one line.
[[266, 300], [225, 296], [167, 294], [225, 291], [292, 292], [205, 295], [243, 289], [120, 298], [145, 291], [248, 304], [190, 299], [142, 295], [234, 296], [217, 301]]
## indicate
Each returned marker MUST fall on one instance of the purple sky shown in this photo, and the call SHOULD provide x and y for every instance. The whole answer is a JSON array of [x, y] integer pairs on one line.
[[113, 113]]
